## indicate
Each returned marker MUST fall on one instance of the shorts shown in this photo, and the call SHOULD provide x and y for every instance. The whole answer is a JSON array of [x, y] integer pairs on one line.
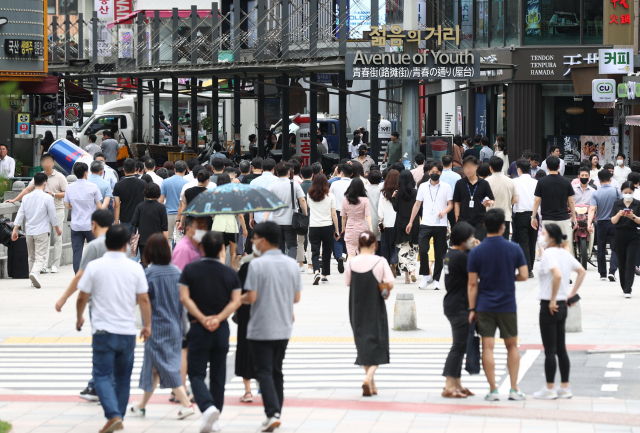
[[506, 322], [229, 237]]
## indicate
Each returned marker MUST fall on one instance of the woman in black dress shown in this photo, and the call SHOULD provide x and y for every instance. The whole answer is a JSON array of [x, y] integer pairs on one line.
[[244, 364], [367, 308], [456, 306], [625, 216], [403, 200]]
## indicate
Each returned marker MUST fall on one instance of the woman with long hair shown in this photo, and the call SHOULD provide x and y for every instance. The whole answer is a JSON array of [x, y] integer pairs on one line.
[[163, 350], [456, 306], [403, 200], [46, 142], [323, 225], [625, 216], [594, 167], [367, 310], [228, 226], [387, 218], [554, 272], [356, 216], [458, 150]]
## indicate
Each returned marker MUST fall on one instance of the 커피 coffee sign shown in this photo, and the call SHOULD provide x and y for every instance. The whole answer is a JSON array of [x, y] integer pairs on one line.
[[430, 65]]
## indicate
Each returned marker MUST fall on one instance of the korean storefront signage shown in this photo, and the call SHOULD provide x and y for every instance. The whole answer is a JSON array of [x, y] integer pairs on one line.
[[615, 61], [618, 22], [603, 90], [551, 64], [429, 65], [23, 45], [379, 35], [104, 9], [23, 48]]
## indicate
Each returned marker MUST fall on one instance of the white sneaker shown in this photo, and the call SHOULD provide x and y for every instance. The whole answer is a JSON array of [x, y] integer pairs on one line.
[[516, 395], [564, 392], [492, 396], [185, 412], [302, 269], [209, 417], [54, 269], [627, 295], [34, 280], [310, 271], [545, 394], [436, 285], [44, 270], [135, 411], [425, 281], [270, 424], [216, 426]]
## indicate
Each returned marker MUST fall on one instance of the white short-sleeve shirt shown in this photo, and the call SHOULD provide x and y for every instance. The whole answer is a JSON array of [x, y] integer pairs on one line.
[[434, 200], [556, 258]]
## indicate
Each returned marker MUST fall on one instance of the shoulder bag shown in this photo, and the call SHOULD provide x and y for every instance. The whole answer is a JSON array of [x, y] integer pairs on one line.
[[385, 288], [299, 221]]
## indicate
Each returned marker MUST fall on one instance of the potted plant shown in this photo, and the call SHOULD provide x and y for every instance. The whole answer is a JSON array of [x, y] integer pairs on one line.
[[207, 125], [24, 169]]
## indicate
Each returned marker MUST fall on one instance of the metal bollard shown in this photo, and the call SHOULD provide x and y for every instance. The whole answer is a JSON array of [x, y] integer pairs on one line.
[[574, 318], [404, 315]]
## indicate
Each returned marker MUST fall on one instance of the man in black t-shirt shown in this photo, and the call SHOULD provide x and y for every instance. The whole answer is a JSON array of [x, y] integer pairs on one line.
[[553, 193], [128, 194], [209, 301], [256, 170], [472, 196]]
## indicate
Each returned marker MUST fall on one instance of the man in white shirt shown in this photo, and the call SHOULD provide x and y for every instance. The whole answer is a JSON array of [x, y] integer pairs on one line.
[[436, 199], [7, 164], [109, 174], [338, 188], [523, 234], [554, 150], [264, 181], [38, 211], [150, 166], [191, 163], [116, 284], [620, 172], [451, 177]]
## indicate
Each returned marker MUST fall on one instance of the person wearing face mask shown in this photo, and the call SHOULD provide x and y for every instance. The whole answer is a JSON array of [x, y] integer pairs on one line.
[[624, 216], [364, 159], [436, 199], [583, 190], [620, 172], [455, 304]]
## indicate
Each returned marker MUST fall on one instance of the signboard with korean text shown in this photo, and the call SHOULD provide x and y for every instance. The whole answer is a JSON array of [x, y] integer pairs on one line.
[[618, 22], [23, 48], [569, 145], [603, 90], [615, 61], [395, 35], [23, 39], [551, 64], [104, 8], [436, 65], [23, 123]]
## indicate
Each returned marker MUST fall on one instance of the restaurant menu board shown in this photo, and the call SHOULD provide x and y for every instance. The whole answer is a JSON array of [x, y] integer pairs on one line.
[[439, 145], [606, 147], [569, 147], [23, 48]]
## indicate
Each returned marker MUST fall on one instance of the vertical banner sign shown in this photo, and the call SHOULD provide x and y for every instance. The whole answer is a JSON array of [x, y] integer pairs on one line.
[[23, 123], [459, 116], [481, 114], [104, 9], [125, 37], [618, 22], [122, 9], [533, 18]]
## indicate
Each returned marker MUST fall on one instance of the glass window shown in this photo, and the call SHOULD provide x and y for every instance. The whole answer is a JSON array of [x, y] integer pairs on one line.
[[593, 22], [497, 23], [481, 18], [51, 7], [513, 23], [552, 22], [466, 23]]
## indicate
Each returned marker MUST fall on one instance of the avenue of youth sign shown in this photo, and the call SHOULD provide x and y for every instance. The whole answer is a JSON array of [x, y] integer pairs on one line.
[[432, 65]]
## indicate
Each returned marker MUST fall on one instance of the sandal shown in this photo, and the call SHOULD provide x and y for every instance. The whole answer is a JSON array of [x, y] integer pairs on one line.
[[245, 399], [413, 278], [453, 394], [467, 392], [407, 280], [374, 391], [366, 389]]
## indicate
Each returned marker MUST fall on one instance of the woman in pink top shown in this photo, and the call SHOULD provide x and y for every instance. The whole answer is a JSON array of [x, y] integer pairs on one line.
[[356, 217]]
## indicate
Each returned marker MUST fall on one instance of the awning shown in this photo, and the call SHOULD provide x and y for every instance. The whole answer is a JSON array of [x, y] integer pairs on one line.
[[632, 120], [49, 86], [597, 105]]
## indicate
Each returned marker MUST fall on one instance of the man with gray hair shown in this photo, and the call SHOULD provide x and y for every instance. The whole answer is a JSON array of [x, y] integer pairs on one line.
[[245, 169], [170, 195], [96, 177]]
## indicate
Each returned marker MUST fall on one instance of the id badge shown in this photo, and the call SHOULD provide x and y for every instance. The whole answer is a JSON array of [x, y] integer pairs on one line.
[[433, 211], [471, 203]]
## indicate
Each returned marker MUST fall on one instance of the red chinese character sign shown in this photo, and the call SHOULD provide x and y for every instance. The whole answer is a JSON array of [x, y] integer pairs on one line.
[[618, 25]]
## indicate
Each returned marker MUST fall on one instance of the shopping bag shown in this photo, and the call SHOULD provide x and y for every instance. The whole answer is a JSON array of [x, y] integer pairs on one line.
[[472, 365]]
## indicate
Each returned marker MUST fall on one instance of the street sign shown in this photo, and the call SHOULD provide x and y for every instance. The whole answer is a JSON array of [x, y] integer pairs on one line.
[[71, 112], [16, 104], [615, 61], [23, 123], [603, 90]]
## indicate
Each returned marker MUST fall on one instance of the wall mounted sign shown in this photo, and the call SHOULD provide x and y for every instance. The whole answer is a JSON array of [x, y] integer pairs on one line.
[[396, 36], [429, 65], [603, 90], [615, 61], [23, 48], [23, 123], [551, 64], [618, 22], [71, 113], [622, 90]]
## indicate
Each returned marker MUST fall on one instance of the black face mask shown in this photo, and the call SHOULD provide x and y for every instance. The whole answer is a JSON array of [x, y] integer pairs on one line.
[[434, 177], [362, 152], [584, 180]]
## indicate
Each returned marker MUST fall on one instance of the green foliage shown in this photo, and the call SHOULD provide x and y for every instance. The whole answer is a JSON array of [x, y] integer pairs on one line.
[[207, 123], [5, 427], [8, 88]]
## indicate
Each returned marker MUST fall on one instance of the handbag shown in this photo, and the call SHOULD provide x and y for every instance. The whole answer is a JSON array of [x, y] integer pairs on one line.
[[385, 288], [299, 221], [123, 153], [472, 364], [133, 243]]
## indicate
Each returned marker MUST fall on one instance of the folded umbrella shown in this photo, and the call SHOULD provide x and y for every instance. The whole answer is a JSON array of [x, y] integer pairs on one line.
[[233, 198]]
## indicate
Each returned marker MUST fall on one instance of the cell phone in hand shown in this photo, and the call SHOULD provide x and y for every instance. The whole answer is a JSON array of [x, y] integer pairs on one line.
[[381, 227], [573, 299], [626, 211]]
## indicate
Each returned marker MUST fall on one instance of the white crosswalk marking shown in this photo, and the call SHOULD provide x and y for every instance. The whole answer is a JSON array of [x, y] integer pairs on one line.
[[66, 369]]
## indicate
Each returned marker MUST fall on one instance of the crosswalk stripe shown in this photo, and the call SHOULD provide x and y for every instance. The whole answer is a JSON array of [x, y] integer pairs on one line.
[[65, 369]]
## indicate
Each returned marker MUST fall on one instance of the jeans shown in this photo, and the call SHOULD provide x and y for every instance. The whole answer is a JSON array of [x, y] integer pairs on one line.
[[289, 241], [77, 245], [439, 235], [525, 236], [321, 236], [339, 246], [460, 332], [553, 339], [627, 244], [268, 356], [606, 232], [208, 348], [133, 229], [112, 366]]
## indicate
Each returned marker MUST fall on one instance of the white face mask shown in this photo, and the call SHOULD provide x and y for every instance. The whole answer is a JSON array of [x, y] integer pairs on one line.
[[619, 162], [628, 197], [543, 243], [469, 243], [199, 234], [256, 251]]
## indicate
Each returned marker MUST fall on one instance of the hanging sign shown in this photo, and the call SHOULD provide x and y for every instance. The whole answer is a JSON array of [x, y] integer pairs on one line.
[[615, 61], [622, 90], [71, 113], [104, 8], [23, 123], [16, 104], [603, 90]]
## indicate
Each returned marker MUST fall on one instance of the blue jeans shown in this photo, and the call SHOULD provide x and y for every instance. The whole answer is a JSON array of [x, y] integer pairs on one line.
[[77, 245], [339, 246], [113, 356], [132, 229]]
